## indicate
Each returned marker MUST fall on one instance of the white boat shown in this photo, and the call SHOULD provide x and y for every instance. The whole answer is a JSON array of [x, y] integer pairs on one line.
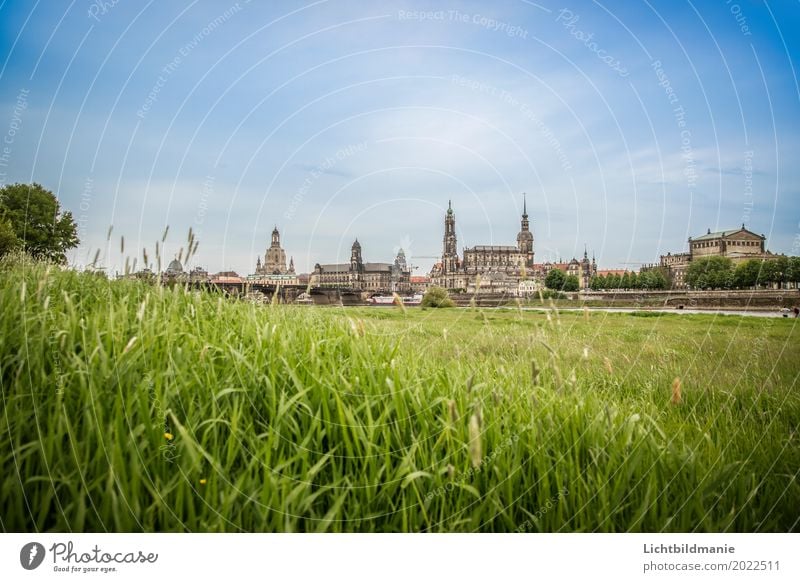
[[392, 299]]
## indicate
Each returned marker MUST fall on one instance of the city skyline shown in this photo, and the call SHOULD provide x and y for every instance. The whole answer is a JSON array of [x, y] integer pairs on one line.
[[631, 128]]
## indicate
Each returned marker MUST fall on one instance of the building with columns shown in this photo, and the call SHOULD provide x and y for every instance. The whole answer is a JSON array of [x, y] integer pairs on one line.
[[738, 244]]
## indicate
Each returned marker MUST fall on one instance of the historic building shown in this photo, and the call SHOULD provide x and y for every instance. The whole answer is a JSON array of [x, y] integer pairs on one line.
[[360, 276], [583, 269], [737, 244], [484, 268], [273, 269]]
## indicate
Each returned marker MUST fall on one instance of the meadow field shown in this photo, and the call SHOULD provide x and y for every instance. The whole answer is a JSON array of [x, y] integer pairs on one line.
[[128, 407]]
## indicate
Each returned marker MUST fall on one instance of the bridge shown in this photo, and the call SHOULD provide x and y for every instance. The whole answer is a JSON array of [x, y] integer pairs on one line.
[[286, 293]]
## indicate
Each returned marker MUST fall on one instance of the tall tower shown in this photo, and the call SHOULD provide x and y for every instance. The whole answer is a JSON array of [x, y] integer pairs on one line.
[[450, 250], [356, 265], [275, 256], [525, 236]]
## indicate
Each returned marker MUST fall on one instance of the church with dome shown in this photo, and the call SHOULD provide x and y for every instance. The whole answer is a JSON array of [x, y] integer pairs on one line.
[[273, 269]]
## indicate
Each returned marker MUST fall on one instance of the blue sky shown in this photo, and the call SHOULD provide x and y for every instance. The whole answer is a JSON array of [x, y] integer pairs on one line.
[[630, 125]]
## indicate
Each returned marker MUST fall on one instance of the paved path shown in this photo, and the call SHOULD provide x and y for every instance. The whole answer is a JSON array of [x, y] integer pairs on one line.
[[770, 313]]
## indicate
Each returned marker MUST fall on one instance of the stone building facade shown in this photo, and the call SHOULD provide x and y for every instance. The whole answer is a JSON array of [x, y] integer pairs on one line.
[[583, 269], [737, 244], [484, 268], [360, 276], [274, 270]]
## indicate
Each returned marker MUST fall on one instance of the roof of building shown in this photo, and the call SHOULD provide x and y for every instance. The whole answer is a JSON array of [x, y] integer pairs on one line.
[[378, 266], [562, 266], [335, 267], [504, 248], [606, 272], [175, 266], [723, 233], [419, 279]]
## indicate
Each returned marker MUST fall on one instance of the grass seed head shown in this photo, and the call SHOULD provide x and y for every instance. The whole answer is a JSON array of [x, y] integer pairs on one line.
[[607, 364], [475, 448], [676, 391], [535, 371], [130, 344], [452, 411]]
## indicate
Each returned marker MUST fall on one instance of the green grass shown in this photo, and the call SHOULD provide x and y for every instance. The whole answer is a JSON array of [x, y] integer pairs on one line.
[[375, 419]]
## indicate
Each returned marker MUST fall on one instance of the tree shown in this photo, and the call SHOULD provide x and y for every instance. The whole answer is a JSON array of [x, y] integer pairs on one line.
[[793, 271], [571, 283], [44, 231], [8, 240], [781, 270], [555, 279], [660, 280], [746, 274], [436, 297], [634, 282], [768, 274], [594, 283], [625, 283], [710, 272]]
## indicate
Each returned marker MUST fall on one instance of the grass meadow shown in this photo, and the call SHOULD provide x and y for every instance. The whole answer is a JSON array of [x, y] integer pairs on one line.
[[129, 408]]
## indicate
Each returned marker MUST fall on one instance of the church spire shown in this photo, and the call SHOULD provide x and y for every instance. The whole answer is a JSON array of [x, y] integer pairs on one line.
[[524, 205]]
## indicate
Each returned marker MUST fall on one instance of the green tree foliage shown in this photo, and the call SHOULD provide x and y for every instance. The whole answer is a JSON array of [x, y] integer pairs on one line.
[[36, 219], [437, 297], [652, 279], [555, 279], [781, 272], [594, 283], [571, 283], [768, 273], [746, 274], [8, 240], [793, 271], [710, 273]]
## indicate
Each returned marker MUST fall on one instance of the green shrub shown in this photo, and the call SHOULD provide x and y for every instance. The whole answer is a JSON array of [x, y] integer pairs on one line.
[[437, 297]]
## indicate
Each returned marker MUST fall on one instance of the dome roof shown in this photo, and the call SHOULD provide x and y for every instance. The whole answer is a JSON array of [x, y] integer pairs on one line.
[[175, 267], [356, 245]]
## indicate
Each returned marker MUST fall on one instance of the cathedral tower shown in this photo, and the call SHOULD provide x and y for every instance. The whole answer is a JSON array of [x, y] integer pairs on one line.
[[356, 265], [525, 236], [450, 250]]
